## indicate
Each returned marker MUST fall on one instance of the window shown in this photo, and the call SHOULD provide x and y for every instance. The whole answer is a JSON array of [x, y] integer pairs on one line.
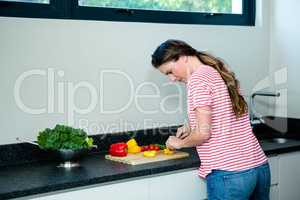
[[222, 12], [32, 8], [208, 6], [30, 1]]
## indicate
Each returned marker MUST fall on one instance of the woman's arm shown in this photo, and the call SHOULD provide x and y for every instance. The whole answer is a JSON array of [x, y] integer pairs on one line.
[[183, 131], [198, 135]]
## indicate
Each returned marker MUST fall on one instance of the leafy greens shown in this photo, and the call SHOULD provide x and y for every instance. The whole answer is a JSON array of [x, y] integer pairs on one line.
[[64, 137]]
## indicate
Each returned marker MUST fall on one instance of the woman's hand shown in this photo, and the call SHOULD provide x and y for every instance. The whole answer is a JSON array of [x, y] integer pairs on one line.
[[183, 132], [174, 143]]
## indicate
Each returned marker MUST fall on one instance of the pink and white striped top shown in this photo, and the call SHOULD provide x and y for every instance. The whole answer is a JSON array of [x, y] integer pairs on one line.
[[232, 145]]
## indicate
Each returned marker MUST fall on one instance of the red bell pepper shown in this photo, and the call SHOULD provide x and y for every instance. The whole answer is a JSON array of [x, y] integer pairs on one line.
[[118, 149]]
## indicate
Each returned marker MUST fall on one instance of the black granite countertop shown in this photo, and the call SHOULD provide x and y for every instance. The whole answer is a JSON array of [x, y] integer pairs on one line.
[[37, 177]]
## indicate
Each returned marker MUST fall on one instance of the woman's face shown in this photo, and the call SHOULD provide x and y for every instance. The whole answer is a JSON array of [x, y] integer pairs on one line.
[[175, 70]]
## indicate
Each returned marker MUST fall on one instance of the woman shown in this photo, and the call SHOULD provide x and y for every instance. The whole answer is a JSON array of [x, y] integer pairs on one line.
[[232, 161]]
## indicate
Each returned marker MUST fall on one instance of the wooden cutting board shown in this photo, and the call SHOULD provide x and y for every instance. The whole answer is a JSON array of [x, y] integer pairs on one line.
[[138, 158]]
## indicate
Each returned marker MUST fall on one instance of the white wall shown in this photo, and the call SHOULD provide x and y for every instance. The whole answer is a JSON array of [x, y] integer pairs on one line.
[[77, 52], [284, 56]]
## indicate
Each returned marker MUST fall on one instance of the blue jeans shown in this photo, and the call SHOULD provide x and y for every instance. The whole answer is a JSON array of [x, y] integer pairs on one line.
[[239, 185]]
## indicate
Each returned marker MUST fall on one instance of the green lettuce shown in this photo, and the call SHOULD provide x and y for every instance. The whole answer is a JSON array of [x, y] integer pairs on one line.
[[64, 137]]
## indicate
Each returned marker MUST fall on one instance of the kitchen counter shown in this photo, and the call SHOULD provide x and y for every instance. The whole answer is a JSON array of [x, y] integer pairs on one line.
[[36, 178], [20, 180]]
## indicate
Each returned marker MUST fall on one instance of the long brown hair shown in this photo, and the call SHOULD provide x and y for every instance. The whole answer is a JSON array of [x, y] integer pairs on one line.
[[171, 50]]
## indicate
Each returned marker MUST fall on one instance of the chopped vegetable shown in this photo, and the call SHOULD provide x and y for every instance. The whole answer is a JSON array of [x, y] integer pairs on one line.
[[149, 154], [161, 146], [156, 147], [168, 151], [151, 147], [145, 148]]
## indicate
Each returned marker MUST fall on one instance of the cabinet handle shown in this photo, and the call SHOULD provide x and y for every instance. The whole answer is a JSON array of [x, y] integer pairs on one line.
[[274, 184]]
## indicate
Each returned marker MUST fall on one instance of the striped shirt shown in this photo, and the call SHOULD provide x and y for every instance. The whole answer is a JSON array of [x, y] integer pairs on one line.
[[232, 145]]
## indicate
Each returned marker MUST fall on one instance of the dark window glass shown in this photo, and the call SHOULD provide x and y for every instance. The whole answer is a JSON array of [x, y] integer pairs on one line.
[[30, 1], [33, 8]]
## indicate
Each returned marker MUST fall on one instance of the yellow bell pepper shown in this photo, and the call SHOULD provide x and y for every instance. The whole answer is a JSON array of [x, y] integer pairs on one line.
[[149, 154], [134, 149], [131, 143], [133, 146]]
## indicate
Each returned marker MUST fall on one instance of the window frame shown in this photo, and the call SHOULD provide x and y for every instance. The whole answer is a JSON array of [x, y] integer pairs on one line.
[[55, 9], [69, 9]]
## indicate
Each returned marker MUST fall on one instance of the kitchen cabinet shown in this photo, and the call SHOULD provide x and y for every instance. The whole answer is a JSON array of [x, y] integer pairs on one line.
[[289, 176], [177, 186], [285, 176], [274, 164], [135, 189]]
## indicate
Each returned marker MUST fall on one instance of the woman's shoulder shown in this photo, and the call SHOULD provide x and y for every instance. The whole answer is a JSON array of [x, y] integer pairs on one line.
[[204, 73]]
